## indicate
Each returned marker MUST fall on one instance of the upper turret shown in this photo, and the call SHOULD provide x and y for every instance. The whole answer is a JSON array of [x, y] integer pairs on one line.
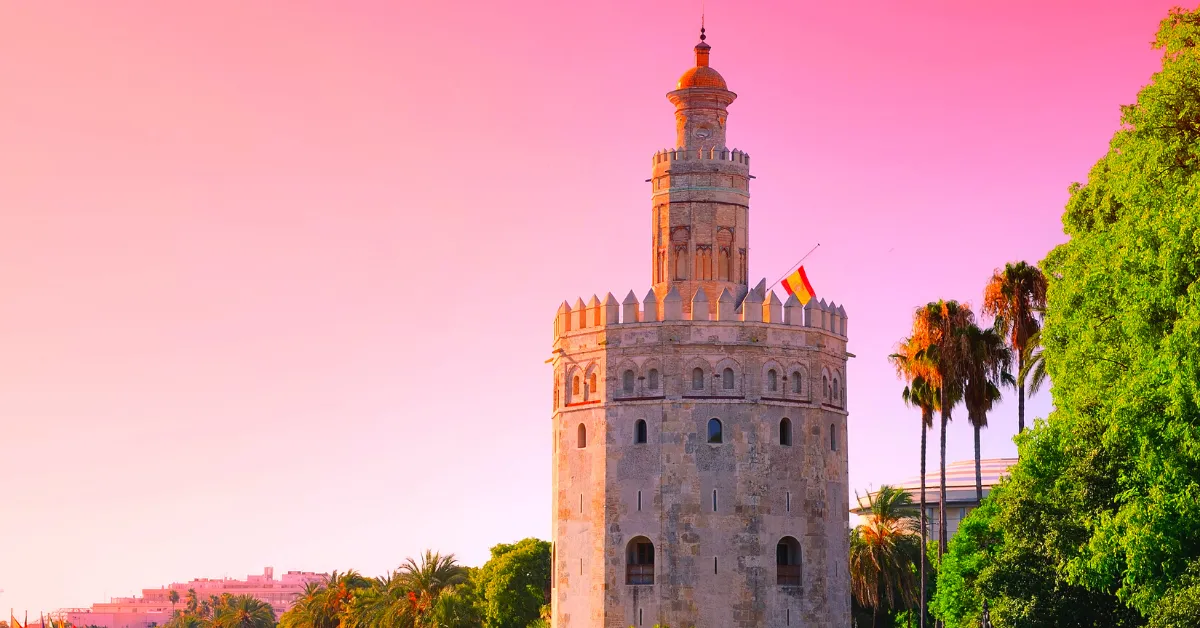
[[700, 99]]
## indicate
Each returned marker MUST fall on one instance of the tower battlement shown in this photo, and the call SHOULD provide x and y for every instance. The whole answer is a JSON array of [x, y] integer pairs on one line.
[[597, 314], [700, 154]]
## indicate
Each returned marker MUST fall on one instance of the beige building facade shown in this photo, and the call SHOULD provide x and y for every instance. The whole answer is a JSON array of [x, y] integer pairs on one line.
[[699, 434]]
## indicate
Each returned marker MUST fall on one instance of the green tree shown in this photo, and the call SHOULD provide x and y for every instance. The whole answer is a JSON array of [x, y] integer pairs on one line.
[[243, 611], [460, 605], [515, 583], [173, 596], [193, 603], [1122, 330], [919, 393], [985, 362], [1014, 297], [885, 550], [187, 620], [323, 604]]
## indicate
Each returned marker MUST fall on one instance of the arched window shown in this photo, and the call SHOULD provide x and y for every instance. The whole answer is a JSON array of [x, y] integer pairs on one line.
[[832, 437], [581, 437], [639, 561], [575, 386], [797, 382], [837, 395], [627, 381], [592, 384], [785, 432], [772, 380], [714, 431], [639, 431], [652, 379], [557, 382], [825, 387], [787, 562], [697, 378], [727, 379]]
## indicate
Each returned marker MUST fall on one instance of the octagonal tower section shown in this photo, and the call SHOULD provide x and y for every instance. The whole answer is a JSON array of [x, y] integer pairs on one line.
[[700, 465]]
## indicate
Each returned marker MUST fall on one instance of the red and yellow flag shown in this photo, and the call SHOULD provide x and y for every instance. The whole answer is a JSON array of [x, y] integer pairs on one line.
[[12, 621], [797, 284]]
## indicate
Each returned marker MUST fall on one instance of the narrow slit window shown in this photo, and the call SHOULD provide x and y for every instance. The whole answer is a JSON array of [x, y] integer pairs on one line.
[[787, 616], [639, 617], [714, 500], [581, 502], [832, 437], [789, 501], [714, 565], [639, 501]]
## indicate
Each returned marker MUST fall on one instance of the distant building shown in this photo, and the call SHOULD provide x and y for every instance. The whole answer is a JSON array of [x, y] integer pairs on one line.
[[154, 607], [960, 490]]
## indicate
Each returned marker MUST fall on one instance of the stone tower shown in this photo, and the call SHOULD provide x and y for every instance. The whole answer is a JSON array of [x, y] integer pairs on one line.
[[700, 465]]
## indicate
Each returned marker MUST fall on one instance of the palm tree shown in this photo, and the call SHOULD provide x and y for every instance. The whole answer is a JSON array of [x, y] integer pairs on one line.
[[187, 620], [882, 551], [1015, 296], [385, 603], [193, 602], [174, 597], [324, 604], [308, 610], [919, 393], [986, 360], [939, 328], [1033, 371], [435, 573], [244, 611]]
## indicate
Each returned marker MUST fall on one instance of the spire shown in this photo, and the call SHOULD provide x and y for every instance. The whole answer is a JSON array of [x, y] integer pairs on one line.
[[702, 48]]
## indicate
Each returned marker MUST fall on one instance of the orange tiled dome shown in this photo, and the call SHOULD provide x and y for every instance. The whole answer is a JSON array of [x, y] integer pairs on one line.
[[701, 76]]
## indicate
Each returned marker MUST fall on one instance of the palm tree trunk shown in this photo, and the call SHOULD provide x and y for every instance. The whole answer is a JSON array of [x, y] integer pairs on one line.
[[978, 471], [1020, 393], [924, 524], [942, 496]]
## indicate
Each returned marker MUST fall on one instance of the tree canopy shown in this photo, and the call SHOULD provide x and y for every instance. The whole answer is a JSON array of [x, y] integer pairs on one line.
[[1098, 523]]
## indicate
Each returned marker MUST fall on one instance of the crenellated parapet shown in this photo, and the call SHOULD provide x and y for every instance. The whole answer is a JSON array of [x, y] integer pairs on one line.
[[759, 306], [668, 155]]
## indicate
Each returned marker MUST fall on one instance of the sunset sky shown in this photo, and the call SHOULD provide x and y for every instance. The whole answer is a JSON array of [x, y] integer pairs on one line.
[[277, 280]]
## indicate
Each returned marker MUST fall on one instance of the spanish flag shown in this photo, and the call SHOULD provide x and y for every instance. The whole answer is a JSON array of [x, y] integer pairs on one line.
[[797, 284], [12, 621]]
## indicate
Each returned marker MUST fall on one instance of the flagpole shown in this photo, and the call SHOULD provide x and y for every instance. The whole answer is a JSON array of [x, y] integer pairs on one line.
[[793, 266]]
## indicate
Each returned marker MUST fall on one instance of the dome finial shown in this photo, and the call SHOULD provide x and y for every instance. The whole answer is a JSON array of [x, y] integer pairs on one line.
[[702, 48]]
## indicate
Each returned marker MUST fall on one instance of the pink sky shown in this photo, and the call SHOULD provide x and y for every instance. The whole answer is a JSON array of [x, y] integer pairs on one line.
[[279, 278]]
